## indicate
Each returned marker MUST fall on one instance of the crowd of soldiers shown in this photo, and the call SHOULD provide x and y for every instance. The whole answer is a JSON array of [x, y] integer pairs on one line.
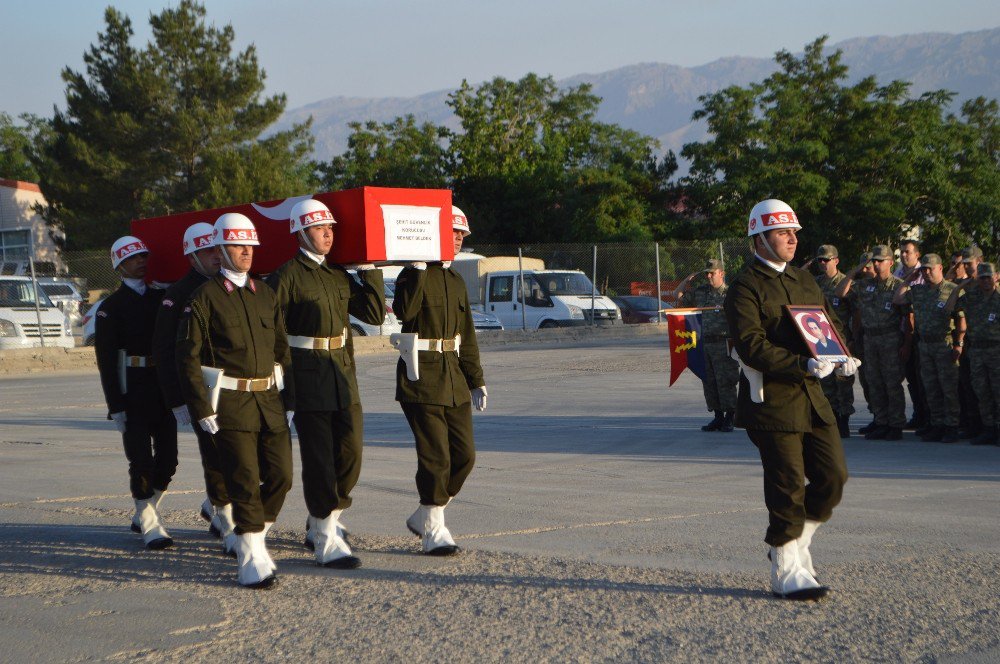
[[931, 322], [240, 360]]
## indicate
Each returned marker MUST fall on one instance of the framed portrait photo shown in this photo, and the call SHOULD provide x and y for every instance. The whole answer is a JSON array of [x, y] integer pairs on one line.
[[818, 332]]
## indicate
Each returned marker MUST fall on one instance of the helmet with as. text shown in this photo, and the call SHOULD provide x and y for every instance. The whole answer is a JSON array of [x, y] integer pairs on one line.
[[771, 215]]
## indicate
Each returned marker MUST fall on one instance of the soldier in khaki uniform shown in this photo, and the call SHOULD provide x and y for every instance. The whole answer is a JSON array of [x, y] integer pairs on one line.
[[721, 371], [432, 302], [203, 257], [123, 344], [981, 304], [781, 403], [234, 325], [317, 299], [885, 343], [939, 331], [969, 421], [839, 390]]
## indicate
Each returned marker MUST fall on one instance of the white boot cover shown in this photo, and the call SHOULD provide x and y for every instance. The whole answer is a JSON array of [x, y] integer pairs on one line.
[[331, 549], [227, 528], [157, 497], [209, 512], [263, 538], [154, 535], [804, 540], [251, 556], [789, 579], [437, 538], [415, 522]]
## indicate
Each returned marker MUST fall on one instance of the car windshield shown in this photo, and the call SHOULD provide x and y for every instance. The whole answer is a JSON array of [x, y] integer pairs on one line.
[[21, 294], [57, 290], [565, 283], [644, 303]]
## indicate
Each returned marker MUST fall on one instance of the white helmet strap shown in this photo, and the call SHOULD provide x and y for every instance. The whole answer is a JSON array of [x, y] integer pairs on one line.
[[198, 265], [227, 262], [767, 245], [307, 241]]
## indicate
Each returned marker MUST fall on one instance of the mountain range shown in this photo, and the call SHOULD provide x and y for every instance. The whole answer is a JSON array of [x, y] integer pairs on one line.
[[658, 99]]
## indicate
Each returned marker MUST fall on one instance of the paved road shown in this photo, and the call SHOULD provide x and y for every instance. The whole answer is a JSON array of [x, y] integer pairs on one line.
[[600, 523]]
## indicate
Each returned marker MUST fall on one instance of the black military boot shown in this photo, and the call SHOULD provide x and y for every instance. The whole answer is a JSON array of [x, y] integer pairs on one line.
[[894, 433], [878, 433], [868, 427], [950, 435], [844, 425], [987, 437], [715, 423], [933, 435], [727, 422]]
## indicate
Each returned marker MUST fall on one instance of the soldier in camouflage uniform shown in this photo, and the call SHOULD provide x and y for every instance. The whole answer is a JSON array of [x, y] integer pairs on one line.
[[940, 342], [981, 305], [838, 389], [969, 421], [721, 371], [883, 339]]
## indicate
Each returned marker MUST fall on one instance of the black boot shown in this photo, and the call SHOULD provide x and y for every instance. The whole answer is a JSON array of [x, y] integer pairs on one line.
[[894, 433], [878, 433], [933, 435], [843, 423], [950, 435], [987, 437], [715, 423], [727, 422], [868, 427]]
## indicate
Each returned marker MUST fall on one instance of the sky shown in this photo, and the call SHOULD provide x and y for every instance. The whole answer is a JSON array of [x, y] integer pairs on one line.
[[313, 50]]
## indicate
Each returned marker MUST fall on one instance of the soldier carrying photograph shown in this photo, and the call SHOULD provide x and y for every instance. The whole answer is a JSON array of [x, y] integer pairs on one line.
[[786, 415], [317, 299], [232, 357], [123, 344], [437, 384]]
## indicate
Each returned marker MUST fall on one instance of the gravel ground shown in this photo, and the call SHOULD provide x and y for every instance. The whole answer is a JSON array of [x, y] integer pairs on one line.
[[600, 524]]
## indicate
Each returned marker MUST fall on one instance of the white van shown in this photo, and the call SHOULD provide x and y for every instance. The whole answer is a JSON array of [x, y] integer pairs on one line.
[[19, 317]]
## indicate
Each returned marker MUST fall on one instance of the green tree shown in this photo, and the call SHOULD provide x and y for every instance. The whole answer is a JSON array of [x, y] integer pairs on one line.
[[392, 154], [18, 143], [155, 131], [859, 163]]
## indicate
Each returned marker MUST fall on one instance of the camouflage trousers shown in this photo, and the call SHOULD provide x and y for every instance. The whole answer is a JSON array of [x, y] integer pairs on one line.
[[939, 374], [722, 374], [840, 392], [985, 365], [884, 372]]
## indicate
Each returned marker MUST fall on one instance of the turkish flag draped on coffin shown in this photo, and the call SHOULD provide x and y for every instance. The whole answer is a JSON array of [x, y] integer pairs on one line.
[[374, 225]]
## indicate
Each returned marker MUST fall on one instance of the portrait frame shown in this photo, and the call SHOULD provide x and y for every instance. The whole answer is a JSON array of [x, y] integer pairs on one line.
[[818, 332]]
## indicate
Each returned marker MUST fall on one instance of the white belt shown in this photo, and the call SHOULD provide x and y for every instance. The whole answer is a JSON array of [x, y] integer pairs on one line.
[[440, 345], [318, 343], [138, 361], [246, 384]]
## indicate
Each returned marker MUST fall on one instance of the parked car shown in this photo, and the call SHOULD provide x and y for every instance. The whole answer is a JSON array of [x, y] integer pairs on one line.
[[65, 295], [20, 309], [640, 308], [89, 324], [485, 321]]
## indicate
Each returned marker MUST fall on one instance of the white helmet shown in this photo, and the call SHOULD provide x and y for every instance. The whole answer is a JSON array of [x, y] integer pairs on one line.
[[197, 236], [771, 215], [459, 222], [124, 247], [234, 228], [309, 212]]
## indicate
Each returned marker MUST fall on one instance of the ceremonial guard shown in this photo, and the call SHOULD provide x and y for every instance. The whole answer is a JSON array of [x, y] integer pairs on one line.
[[940, 333], [316, 300], [721, 371], [232, 357], [886, 345], [123, 343], [204, 259], [981, 304], [839, 390], [438, 379], [781, 403]]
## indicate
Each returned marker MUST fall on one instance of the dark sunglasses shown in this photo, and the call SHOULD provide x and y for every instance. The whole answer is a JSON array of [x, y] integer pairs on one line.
[[824, 260]]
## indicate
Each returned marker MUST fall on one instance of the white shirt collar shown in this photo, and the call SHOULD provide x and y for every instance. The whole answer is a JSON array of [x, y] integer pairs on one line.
[[318, 258], [777, 267], [238, 278], [138, 285]]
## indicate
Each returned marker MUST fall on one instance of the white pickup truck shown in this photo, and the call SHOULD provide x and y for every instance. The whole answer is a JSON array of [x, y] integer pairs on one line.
[[539, 299], [19, 317]]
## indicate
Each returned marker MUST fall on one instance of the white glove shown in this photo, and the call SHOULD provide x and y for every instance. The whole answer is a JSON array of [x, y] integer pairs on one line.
[[289, 414], [210, 424], [119, 420], [479, 398], [820, 368], [182, 415], [360, 266], [446, 264], [420, 265], [849, 368]]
